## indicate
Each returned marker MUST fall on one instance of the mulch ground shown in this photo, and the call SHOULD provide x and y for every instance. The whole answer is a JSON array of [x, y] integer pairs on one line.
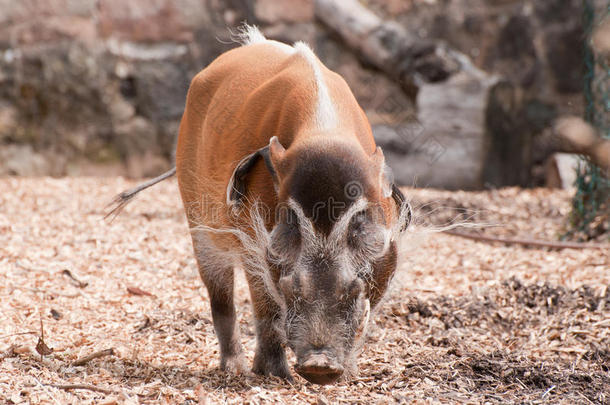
[[464, 321]]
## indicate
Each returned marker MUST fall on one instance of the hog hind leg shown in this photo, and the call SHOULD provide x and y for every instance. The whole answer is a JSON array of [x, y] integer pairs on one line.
[[217, 272], [270, 357]]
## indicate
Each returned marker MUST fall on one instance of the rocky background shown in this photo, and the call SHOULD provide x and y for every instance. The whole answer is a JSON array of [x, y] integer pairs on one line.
[[98, 86]]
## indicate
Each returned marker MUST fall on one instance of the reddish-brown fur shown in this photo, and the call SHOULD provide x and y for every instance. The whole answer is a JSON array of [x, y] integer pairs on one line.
[[234, 108], [239, 102]]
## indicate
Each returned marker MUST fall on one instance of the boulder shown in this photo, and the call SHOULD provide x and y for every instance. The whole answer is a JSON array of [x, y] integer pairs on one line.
[[22, 160], [561, 170], [101, 84], [564, 52], [294, 11]]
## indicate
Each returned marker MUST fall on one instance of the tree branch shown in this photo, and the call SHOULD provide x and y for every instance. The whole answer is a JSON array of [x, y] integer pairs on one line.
[[528, 242]]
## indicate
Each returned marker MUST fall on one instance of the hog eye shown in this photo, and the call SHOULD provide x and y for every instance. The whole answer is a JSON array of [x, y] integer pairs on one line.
[[286, 237], [357, 228], [364, 236]]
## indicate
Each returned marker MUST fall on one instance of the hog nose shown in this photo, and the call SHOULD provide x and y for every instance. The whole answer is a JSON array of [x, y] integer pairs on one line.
[[318, 368]]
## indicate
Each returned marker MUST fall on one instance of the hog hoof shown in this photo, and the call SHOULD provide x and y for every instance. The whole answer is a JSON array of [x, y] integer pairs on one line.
[[272, 366], [234, 364]]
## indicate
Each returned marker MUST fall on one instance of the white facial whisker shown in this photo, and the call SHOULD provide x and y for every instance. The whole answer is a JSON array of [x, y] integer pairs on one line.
[[308, 234], [340, 228]]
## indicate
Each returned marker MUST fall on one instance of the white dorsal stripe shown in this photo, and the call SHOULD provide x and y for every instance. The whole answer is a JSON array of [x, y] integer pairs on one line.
[[325, 115]]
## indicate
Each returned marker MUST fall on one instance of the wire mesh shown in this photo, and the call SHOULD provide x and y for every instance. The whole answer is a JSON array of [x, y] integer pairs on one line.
[[591, 203]]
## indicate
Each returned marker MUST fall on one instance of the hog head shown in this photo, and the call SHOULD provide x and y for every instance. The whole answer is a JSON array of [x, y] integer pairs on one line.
[[332, 250]]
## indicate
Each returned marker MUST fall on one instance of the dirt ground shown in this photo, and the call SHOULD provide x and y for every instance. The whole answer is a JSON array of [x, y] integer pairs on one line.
[[465, 321]]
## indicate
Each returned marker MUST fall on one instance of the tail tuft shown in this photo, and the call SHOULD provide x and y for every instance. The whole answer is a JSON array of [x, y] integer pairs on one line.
[[120, 201]]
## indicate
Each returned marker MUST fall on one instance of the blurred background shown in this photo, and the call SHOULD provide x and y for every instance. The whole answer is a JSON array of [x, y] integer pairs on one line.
[[460, 93]]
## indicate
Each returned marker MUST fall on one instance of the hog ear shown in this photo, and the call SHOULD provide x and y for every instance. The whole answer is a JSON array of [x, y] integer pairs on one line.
[[236, 189], [389, 188], [276, 152], [404, 208], [386, 177]]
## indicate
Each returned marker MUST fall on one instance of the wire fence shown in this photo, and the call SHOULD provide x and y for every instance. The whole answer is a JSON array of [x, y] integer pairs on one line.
[[591, 203]]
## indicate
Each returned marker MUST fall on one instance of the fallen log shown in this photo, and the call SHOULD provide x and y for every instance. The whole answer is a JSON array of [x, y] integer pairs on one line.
[[386, 45], [574, 135], [468, 118]]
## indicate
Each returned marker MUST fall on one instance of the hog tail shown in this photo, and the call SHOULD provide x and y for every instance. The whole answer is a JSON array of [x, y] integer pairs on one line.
[[121, 200]]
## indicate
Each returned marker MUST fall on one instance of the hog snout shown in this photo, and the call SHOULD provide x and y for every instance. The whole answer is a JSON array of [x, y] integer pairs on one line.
[[319, 368]]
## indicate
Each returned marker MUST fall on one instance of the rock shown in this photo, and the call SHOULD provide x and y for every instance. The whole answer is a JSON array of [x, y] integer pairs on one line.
[[397, 6], [161, 88], [22, 160], [146, 20], [291, 32], [8, 121], [100, 81], [561, 170], [516, 51], [122, 109], [81, 8], [146, 165], [272, 11], [557, 11], [136, 137], [85, 167], [516, 39], [565, 50]]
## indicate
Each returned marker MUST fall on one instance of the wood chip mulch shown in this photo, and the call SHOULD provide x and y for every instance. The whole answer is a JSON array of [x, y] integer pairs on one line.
[[92, 312]]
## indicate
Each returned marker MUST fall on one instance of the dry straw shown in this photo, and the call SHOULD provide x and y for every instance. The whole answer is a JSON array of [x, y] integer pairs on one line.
[[464, 321]]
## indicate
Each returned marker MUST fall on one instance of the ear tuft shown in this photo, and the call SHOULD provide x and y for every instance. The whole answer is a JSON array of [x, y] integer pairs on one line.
[[386, 177], [276, 151], [405, 213], [387, 181], [377, 156]]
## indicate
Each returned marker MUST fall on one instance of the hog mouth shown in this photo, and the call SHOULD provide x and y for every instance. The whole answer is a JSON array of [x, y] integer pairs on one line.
[[319, 368], [319, 375]]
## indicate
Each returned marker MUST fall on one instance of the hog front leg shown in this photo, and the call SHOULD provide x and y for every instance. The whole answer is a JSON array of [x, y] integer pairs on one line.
[[218, 277], [219, 283], [270, 357]]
